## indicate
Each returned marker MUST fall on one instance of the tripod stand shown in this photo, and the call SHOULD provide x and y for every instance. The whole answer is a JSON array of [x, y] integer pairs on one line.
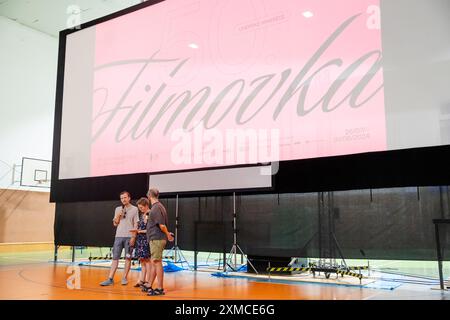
[[175, 251], [235, 248]]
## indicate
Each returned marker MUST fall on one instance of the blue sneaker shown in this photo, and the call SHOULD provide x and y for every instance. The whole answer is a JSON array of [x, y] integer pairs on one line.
[[124, 281], [107, 282]]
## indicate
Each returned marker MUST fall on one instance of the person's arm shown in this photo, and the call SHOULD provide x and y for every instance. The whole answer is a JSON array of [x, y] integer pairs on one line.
[[169, 235], [158, 215], [116, 220], [135, 226], [136, 231], [136, 220]]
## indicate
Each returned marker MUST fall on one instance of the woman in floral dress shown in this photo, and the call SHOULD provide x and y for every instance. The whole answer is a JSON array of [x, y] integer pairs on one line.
[[142, 249]]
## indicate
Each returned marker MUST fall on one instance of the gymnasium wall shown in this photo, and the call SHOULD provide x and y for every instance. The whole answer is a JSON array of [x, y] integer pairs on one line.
[[28, 61], [26, 216]]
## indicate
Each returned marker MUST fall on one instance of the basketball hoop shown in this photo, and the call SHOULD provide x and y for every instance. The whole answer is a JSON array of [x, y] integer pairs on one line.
[[35, 173]]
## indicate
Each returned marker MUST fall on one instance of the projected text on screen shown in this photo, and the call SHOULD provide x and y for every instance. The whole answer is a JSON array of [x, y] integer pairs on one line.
[[181, 85]]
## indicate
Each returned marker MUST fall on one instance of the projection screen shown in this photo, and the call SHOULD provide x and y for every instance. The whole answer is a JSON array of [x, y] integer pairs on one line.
[[183, 85]]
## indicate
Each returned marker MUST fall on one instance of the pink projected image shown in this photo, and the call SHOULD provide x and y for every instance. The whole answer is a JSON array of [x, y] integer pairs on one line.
[[177, 85]]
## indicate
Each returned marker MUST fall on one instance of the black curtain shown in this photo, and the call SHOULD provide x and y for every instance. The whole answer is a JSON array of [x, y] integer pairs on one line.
[[394, 223]]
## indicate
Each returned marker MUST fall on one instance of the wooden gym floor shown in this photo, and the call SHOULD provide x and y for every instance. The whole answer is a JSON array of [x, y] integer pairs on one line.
[[46, 281], [33, 277]]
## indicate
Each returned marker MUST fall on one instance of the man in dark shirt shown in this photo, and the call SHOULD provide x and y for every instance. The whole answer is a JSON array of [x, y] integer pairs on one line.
[[157, 235]]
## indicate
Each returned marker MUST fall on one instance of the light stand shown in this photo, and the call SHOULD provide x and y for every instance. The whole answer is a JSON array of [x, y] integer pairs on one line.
[[236, 249], [175, 252], [327, 237]]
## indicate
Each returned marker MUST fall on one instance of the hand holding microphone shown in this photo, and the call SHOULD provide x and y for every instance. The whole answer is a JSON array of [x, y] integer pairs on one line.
[[120, 216], [124, 212]]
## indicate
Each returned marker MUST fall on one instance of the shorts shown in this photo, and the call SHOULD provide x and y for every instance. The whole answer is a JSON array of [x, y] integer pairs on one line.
[[157, 249], [119, 244]]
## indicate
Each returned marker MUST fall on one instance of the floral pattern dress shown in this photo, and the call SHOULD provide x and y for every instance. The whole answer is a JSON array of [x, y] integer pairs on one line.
[[142, 249]]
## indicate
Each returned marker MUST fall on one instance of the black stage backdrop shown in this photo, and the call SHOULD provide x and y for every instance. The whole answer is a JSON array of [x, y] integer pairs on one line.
[[399, 168], [394, 223]]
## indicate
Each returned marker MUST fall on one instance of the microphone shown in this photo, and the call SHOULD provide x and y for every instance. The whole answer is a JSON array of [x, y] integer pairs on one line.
[[124, 211]]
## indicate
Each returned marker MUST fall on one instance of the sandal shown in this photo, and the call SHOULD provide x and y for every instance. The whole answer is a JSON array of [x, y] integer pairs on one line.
[[145, 288], [156, 292], [139, 284]]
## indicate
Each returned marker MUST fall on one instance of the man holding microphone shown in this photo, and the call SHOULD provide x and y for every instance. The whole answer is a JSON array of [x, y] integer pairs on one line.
[[126, 218]]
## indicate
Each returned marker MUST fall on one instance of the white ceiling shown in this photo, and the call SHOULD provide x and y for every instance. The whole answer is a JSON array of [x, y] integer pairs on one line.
[[51, 16]]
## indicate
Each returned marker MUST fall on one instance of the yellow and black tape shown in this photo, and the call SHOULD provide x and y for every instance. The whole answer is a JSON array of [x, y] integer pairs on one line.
[[288, 269], [359, 268], [349, 273], [108, 258], [291, 269], [100, 258]]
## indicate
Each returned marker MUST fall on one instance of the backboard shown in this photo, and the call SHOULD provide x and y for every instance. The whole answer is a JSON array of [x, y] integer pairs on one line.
[[35, 173]]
